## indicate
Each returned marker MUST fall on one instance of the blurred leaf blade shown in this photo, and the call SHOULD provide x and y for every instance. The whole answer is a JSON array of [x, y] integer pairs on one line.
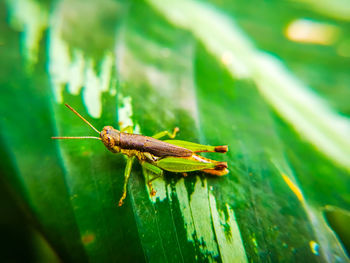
[[35, 181], [158, 65]]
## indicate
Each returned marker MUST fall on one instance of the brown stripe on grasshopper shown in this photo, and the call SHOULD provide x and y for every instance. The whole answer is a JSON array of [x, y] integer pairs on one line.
[[115, 140], [156, 155]]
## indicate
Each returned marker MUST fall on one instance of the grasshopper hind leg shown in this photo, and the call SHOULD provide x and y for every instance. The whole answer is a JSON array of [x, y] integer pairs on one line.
[[193, 163], [151, 169]]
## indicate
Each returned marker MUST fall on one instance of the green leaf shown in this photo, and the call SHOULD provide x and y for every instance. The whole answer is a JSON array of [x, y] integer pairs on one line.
[[226, 73]]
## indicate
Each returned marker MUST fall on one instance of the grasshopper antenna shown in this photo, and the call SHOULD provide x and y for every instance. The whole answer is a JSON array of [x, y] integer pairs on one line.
[[81, 117], [80, 137]]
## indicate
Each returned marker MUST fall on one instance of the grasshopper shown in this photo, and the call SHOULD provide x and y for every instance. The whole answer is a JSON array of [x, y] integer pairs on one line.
[[156, 155]]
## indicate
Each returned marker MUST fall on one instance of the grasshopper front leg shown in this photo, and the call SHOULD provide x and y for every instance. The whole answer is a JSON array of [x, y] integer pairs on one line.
[[127, 129], [126, 176], [166, 133]]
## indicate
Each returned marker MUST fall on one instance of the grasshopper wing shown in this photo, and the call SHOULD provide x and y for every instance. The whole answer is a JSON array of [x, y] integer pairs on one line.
[[196, 147]]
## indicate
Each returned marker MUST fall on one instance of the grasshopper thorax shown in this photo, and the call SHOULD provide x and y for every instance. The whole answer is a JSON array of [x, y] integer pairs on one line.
[[111, 138]]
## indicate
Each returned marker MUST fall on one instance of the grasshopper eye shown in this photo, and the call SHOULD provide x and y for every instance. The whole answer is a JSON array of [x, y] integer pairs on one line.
[[109, 141]]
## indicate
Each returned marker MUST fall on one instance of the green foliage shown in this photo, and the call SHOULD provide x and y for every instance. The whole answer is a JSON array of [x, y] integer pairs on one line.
[[206, 67]]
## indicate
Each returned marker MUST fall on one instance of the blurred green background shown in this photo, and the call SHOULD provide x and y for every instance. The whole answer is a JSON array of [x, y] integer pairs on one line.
[[268, 78]]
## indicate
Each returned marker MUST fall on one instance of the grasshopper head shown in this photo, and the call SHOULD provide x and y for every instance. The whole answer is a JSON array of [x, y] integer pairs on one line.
[[111, 138]]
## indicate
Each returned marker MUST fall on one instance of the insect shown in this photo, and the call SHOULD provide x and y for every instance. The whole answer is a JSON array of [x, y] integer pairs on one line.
[[156, 155]]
